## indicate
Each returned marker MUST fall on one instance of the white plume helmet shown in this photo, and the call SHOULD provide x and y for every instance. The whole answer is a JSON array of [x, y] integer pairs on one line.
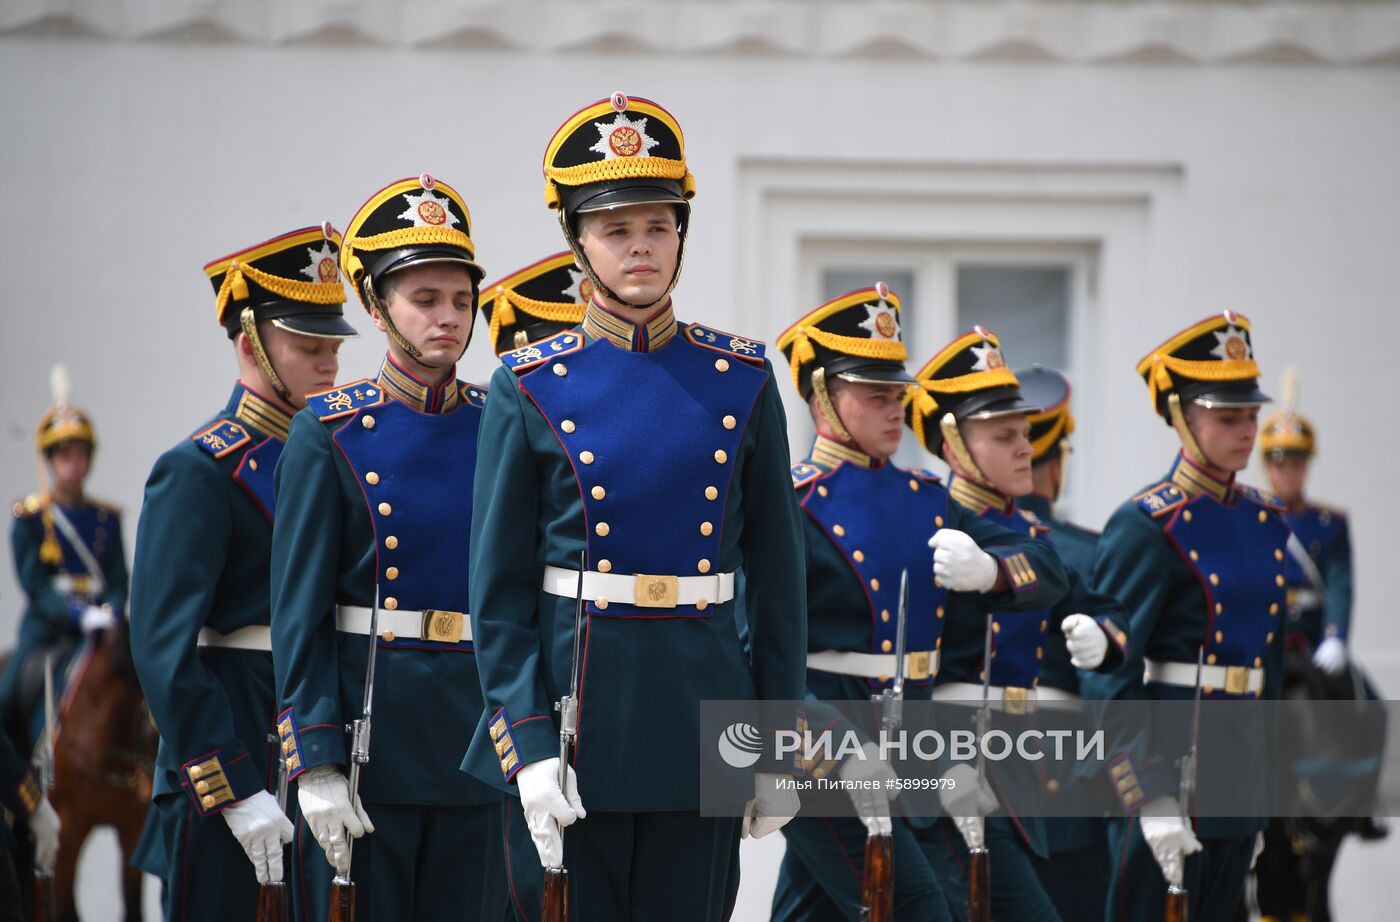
[[60, 385], [1290, 389]]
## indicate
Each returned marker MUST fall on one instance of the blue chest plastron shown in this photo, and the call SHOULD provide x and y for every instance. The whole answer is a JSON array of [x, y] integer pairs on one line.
[[1238, 553], [416, 472], [881, 519], [1018, 638], [254, 474], [94, 526], [1316, 529], [653, 438]]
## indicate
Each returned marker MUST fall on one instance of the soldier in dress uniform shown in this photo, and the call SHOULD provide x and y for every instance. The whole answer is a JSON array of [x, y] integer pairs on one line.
[[534, 303], [1199, 560], [970, 411], [658, 448], [199, 629], [374, 510], [866, 522], [1075, 875], [68, 561]]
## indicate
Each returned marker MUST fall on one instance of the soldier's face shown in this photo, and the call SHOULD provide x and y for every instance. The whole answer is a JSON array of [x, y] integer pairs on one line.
[[873, 414], [633, 249], [432, 305], [70, 462], [1001, 446], [1287, 475], [305, 364], [1224, 434]]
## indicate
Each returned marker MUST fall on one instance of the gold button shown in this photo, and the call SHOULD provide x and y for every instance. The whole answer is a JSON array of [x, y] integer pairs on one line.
[[568, 425], [821, 491], [601, 529], [196, 772], [730, 422], [1278, 554], [291, 765], [586, 457], [1269, 638], [391, 542], [1263, 516], [391, 573], [1219, 636], [1219, 608], [605, 566], [702, 604], [286, 746], [1194, 555], [1040, 653], [600, 603], [703, 566], [996, 627], [598, 492], [561, 369], [886, 646], [1211, 659], [202, 787], [884, 614], [1258, 661], [1052, 786], [711, 493], [721, 365], [389, 636], [207, 801], [1273, 609], [875, 584], [938, 521], [1215, 579], [367, 421], [840, 530], [385, 508], [1187, 515], [859, 556], [940, 611], [1044, 624], [914, 485], [391, 603], [707, 529], [721, 456], [253, 463], [1278, 580], [371, 478]]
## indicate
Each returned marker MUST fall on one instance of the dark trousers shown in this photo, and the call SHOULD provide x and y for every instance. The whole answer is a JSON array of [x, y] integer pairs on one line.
[[1214, 877], [643, 867], [1076, 879], [1017, 895]]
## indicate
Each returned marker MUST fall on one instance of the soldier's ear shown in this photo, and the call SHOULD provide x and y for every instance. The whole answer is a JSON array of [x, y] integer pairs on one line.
[[241, 343]]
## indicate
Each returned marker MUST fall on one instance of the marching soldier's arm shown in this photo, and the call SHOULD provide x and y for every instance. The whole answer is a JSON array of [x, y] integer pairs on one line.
[[114, 569], [773, 553], [505, 575], [1032, 572], [305, 569], [1336, 576], [1107, 613], [182, 540], [36, 580]]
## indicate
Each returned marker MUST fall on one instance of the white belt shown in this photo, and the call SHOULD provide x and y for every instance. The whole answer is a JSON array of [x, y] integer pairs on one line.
[[917, 666], [252, 637], [1233, 680], [431, 624], [640, 589], [68, 584], [1002, 697]]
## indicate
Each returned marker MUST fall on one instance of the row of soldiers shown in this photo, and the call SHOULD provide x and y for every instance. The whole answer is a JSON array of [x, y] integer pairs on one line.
[[408, 542]]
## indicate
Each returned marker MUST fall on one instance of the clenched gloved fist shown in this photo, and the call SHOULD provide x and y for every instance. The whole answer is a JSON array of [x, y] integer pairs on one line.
[[1169, 837], [547, 808], [959, 564], [1086, 641], [873, 787]]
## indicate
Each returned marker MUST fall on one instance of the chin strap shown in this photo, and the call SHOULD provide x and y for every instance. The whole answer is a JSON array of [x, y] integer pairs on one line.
[[249, 324], [953, 436], [1188, 439], [1065, 450], [828, 408], [377, 309], [577, 249]]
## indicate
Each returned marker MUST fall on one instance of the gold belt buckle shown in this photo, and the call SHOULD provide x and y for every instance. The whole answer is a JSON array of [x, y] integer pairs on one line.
[[1014, 699], [442, 626], [656, 591], [1236, 680], [918, 668]]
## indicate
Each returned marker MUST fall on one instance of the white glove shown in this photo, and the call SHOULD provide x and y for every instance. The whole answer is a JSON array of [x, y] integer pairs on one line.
[[1169, 837], [262, 829], [547, 809], [772, 807], [324, 795], [1086, 641], [1330, 656], [959, 564], [43, 825], [964, 796], [875, 786], [97, 618]]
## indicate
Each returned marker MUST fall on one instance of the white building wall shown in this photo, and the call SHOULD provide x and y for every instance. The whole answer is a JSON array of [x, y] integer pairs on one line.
[[1268, 189]]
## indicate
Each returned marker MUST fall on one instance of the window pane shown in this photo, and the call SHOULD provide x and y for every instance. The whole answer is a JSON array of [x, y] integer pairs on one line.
[[1028, 306]]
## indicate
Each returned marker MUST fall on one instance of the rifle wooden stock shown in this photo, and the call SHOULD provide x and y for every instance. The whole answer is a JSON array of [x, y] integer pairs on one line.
[[272, 903], [554, 907], [877, 892], [1176, 909], [44, 908], [979, 885], [342, 907]]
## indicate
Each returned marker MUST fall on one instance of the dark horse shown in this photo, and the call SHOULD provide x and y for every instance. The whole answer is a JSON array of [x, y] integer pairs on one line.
[[1331, 758], [104, 754]]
